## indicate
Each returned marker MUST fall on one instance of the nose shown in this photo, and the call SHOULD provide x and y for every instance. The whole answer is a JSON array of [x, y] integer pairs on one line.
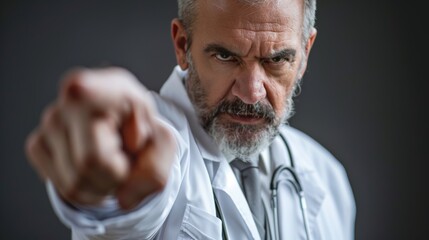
[[249, 84]]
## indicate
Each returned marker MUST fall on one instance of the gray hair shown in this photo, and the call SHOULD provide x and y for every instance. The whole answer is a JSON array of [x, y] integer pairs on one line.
[[187, 14]]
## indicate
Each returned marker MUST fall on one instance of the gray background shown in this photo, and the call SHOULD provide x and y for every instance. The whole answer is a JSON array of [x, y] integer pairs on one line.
[[363, 97]]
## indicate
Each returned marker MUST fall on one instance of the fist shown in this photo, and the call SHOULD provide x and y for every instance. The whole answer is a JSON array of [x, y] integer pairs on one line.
[[101, 137]]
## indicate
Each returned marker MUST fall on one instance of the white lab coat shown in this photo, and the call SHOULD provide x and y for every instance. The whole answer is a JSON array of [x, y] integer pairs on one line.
[[185, 209]]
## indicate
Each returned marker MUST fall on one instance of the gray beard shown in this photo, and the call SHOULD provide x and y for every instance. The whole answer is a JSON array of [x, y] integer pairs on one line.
[[234, 139]]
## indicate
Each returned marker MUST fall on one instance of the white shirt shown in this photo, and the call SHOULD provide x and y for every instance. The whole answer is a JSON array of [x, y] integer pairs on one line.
[[185, 209]]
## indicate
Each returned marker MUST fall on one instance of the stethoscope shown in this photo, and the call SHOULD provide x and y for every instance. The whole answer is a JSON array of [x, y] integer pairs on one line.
[[294, 181], [275, 181]]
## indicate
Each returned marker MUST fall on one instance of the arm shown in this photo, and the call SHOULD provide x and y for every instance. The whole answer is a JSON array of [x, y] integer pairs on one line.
[[101, 141]]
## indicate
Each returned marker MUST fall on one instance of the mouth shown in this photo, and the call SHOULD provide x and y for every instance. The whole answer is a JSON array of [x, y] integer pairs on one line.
[[244, 118]]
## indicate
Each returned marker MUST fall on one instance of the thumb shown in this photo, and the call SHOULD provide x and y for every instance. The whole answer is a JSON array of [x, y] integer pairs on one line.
[[143, 179], [151, 168], [136, 130]]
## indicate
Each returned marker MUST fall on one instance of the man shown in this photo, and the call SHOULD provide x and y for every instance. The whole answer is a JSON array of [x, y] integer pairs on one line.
[[125, 163]]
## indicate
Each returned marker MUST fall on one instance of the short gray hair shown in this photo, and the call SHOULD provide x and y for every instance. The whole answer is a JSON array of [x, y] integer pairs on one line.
[[187, 15]]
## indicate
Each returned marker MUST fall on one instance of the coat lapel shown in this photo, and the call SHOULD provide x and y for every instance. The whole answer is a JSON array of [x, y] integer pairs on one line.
[[228, 190]]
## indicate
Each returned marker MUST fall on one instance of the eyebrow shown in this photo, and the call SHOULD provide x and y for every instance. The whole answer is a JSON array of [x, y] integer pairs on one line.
[[214, 47], [283, 53]]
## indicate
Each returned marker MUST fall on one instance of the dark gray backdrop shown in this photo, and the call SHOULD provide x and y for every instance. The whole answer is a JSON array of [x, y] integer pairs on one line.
[[362, 97]]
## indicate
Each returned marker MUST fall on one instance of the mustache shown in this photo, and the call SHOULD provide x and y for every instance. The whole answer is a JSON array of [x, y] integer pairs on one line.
[[238, 107]]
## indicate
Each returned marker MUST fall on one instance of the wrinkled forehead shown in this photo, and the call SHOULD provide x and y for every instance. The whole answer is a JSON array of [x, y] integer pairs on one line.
[[275, 14], [260, 27]]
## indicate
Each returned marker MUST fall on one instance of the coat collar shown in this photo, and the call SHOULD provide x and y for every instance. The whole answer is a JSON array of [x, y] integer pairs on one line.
[[224, 182]]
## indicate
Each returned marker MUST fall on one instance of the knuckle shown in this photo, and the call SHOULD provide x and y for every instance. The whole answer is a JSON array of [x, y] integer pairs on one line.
[[51, 118], [88, 163], [81, 191], [159, 182], [73, 87], [73, 191], [94, 164], [166, 140], [34, 147], [114, 175]]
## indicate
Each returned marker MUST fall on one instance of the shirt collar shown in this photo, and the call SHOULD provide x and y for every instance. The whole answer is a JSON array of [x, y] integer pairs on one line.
[[264, 161]]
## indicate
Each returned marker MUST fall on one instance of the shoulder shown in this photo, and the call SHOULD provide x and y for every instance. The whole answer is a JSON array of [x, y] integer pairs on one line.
[[314, 157], [330, 173], [326, 171]]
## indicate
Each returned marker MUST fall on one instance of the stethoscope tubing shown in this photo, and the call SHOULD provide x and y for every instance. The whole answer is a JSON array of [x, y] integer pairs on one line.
[[296, 183], [274, 199]]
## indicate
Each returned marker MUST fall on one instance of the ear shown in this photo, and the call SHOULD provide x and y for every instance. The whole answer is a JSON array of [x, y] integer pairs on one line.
[[308, 47], [180, 40]]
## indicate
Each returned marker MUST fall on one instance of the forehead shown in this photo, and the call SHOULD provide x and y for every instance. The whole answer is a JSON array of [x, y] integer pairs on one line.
[[275, 15], [274, 21]]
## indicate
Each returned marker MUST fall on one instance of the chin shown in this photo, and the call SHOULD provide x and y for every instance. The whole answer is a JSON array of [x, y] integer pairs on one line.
[[242, 140]]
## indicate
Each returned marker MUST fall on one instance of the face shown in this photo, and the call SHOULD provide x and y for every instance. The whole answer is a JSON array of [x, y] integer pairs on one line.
[[243, 66]]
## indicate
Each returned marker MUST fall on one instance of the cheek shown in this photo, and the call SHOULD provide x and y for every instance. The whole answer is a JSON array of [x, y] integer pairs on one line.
[[216, 82], [278, 92], [216, 85]]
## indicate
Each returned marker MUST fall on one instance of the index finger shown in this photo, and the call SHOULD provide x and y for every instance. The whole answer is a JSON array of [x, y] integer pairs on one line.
[[105, 90]]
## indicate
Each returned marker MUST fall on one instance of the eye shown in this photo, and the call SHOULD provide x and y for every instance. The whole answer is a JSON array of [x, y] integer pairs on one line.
[[224, 57], [277, 60]]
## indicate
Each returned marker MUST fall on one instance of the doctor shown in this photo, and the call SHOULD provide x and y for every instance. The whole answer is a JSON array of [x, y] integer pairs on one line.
[[121, 162]]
